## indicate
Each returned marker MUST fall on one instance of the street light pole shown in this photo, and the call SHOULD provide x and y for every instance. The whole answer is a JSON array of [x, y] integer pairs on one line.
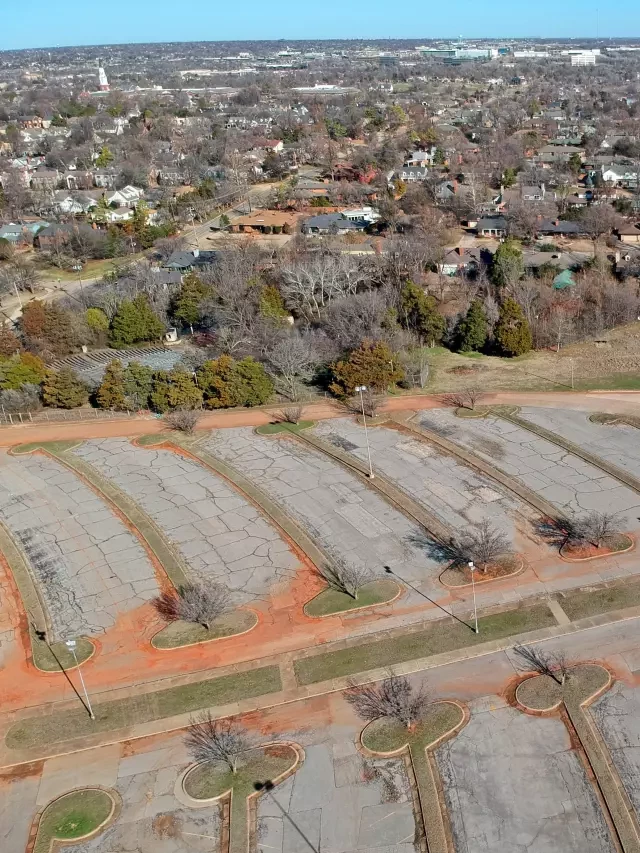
[[572, 386], [473, 587], [71, 645], [362, 388]]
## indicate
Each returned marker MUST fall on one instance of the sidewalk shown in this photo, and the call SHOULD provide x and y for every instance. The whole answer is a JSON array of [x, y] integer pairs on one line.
[[289, 694]]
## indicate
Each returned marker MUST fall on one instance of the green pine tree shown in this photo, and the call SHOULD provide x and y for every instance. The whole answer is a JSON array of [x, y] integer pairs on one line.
[[226, 383], [138, 384], [174, 389], [471, 331], [512, 329], [104, 157], [272, 303], [257, 384], [372, 364], [20, 369], [63, 390], [135, 322], [111, 393], [507, 266], [419, 314], [186, 304]]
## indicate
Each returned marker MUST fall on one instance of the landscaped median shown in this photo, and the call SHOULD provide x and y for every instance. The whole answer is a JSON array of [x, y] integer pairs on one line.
[[442, 636], [42, 731], [73, 817], [330, 602]]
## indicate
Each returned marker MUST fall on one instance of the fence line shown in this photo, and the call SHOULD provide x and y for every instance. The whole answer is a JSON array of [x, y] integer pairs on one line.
[[66, 416]]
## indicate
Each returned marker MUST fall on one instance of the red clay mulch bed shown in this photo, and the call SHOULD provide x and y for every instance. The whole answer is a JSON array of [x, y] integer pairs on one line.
[[504, 567], [616, 544]]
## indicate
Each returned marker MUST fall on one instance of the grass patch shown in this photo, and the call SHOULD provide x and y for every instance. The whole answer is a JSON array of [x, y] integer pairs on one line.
[[151, 440], [72, 816], [282, 426], [110, 716], [213, 779], [503, 567], [331, 601], [539, 693], [54, 657], [613, 544], [53, 447], [440, 637], [387, 735], [178, 633], [585, 603], [478, 412], [613, 382]]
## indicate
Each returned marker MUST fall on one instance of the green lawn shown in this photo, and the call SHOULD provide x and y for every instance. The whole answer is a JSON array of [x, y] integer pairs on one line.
[[178, 633], [443, 636], [213, 779], [61, 726], [283, 426], [387, 735], [580, 605], [72, 816], [331, 601], [54, 657], [614, 382]]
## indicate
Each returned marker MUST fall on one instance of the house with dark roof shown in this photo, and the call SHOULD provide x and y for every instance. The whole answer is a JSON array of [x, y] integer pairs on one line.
[[560, 228], [332, 223], [491, 226], [185, 261]]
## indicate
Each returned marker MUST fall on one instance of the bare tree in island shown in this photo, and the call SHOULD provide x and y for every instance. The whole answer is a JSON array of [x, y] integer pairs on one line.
[[345, 577], [217, 740], [535, 659], [200, 603], [394, 698]]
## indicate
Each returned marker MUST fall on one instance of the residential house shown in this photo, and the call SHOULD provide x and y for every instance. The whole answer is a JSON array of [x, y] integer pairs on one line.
[[128, 196], [185, 261], [45, 179], [169, 176], [106, 178], [411, 174], [621, 175], [12, 233], [361, 214], [533, 193], [422, 158], [77, 180], [54, 235], [75, 205], [332, 223], [492, 226], [272, 146], [628, 234], [266, 222], [560, 228], [462, 259], [550, 155]]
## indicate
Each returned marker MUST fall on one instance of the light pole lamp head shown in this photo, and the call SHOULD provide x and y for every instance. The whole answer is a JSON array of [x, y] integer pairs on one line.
[[471, 565], [70, 644], [361, 388]]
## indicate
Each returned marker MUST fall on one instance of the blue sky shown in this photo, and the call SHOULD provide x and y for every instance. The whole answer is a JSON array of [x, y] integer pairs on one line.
[[50, 23]]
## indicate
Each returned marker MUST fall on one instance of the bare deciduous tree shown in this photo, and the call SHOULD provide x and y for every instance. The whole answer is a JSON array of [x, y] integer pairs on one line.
[[183, 420], [345, 577], [467, 398], [394, 698], [200, 603], [481, 545], [292, 414], [293, 362], [217, 740], [533, 658], [594, 528]]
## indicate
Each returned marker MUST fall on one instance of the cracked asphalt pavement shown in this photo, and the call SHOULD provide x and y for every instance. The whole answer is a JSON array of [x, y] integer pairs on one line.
[[217, 531]]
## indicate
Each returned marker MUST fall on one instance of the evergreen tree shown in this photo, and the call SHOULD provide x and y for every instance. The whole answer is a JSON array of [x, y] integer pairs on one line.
[[20, 369], [471, 331], [174, 389], [186, 304], [226, 383], [134, 322], [104, 158], [419, 314], [507, 266], [256, 384], [272, 303], [512, 329], [34, 319], [97, 320], [111, 393], [138, 383], [63, 390], [373, 364]]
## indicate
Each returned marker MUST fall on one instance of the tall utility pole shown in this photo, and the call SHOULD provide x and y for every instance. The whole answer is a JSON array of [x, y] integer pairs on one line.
[[473, 587], [362, 388], [71, 645]]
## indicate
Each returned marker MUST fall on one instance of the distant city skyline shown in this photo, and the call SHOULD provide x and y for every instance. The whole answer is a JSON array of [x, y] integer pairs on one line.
[[67, 23]]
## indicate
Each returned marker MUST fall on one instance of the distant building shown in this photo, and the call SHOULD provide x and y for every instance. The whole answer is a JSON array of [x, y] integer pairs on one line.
[[586, 57], [103, 83]]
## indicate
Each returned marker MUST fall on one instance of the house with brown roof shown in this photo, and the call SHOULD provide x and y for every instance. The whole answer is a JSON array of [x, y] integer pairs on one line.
[[266, 222]]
